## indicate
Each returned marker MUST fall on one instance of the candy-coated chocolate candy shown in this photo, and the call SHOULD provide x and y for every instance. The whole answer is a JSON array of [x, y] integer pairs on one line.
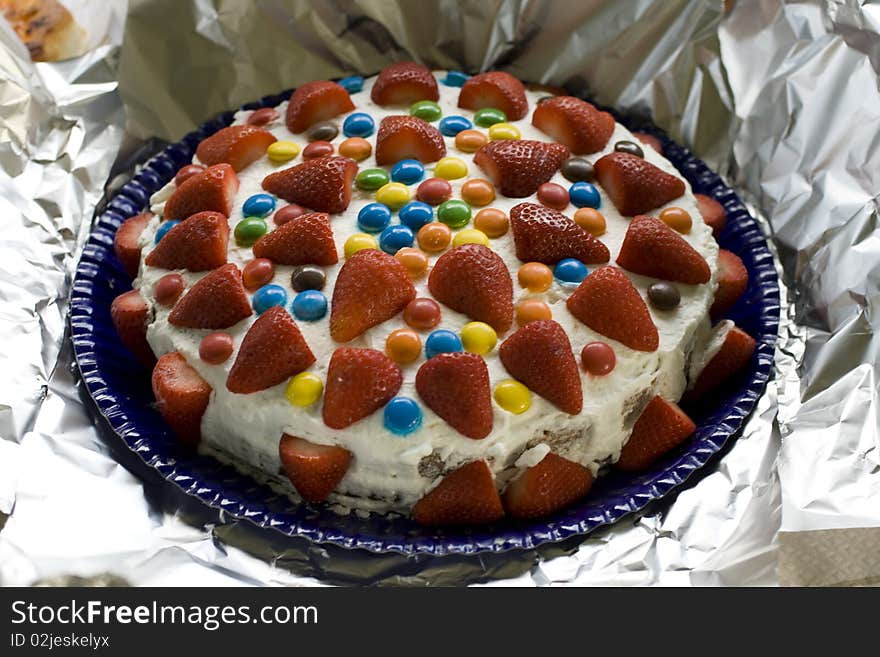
[[535, 277], [258, 205], [187, 172], [403, 345], [216, 348], [317, 149], [478, 192], [455, 79], [163, 229], [503, 131], [168, 289], [288, 213], [470, 141], [358, 242], [598, 358], [395, 195], [422, 313], [489, 116], [395, 238], [452, 125], [478, 338], [426, 110], [267, 297], [359, 124], [402, 416], [492, 221], [257, 273], [415, 261], [324, 131], [577, 169], [374, 217], [512, 396], [553, 196], [370, 180], [415, 214], [434, 191], [434, 237], [470, 236], [570, 270], [450, 168], [664, 295], [442, 342], [352, 84], [309, 305], [544, 99], [678, 219], [531, 310], [584, 195], [591, 220], [454, 213], [408, 172], [356, 148], [625, 146], [249, 230], [262, 116], [282, 151], [307, 277], [304, 389]]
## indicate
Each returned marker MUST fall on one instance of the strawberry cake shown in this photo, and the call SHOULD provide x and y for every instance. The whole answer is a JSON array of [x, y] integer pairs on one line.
[[446, 296]]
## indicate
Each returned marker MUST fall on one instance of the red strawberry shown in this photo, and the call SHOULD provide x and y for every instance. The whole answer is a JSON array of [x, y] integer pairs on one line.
[[552, 484], [634, 184], [575, 123], [542, 234], [359, 382], [661, 427], [404, 83], [214, 189], [272, 351], [125, 244], [465, 496], [650, 140], [197, 244], [237, 145], [408, 137], [129, 313], [539, 355], [316, 101], [517, 167], [216, 301], [652, 248], [314, 470], [306, 240], [472, 279], [495, 89], [712, 212], [607, 302], [322, 184], [735, 353], [456, 387], [181, 395], [371, 287], [733, 279]]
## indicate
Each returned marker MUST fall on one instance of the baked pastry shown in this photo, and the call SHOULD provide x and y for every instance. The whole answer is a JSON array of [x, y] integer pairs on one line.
[[46, 27], [433, 294]]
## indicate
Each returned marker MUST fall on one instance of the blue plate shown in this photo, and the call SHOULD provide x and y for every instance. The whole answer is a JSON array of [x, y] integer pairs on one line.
[[119, 389]]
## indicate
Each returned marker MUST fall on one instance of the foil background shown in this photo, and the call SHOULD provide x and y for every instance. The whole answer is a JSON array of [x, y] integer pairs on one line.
[[782, 99]]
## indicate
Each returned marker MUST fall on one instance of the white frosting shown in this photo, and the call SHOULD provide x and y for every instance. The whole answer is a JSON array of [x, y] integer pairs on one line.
[[385, 466]]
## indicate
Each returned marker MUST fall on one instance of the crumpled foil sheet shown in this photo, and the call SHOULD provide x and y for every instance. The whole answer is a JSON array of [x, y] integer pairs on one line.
[[782, 99]]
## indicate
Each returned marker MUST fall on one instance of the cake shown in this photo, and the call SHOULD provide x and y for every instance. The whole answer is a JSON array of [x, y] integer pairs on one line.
[[445, 296]]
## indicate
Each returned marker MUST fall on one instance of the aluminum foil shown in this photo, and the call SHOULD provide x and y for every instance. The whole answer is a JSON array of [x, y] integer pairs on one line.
[[780, 98]]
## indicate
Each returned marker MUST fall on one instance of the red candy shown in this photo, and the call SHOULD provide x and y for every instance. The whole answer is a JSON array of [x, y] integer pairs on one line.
[[553, 196], [257, 273], [434, 191], [263, 116], [317, 149], [422, 313], [215, 348], [598, 358], [168, 289], [288, 213], [187, 172]]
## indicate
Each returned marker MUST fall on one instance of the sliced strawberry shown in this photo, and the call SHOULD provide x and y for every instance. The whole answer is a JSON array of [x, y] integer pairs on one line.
[[735, 353], [216, 301], [517, 167], [237, 145], [214, 189], [607, 302], [661, 427], [197, 244], [408, 137], [575, 123], [272, 351], [181, 395], [712, 212], [456, 387], [306, 240], [359, 382], [473, 279], [371, 287], [652, 248], [495, 89], [129, 313], [316, 101], [539, 355], [314, 470], [634, 184], [552, 484], [650, 140], [465, 496], [125, 244], [542, 234], [404, 83], [733, 279], [322, 184]]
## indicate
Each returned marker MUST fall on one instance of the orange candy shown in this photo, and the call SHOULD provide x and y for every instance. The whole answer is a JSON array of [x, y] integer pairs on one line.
[[591, 220], [478, 192], [535, 277], [357, 148], [434, 237], [403, 345], [492, 221], [470, 141], [677, 219], [415, 261], [257, 273], [531, 310]]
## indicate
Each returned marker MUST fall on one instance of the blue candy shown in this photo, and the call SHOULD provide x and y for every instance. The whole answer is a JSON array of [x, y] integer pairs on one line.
[[309, 305], [402, 416], [267, 297], [258, 205], [452, 125], [442, 342], [395, 238], [455, 79], [584, 195], [570, 270], [407, 172], [164, 227], [358, 124], [415, 214], [374, 217], [352, 84]]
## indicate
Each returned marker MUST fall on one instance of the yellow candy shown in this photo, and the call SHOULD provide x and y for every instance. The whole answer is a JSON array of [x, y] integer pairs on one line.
[[395, 195], [358, 242], [282, 151], [450, 168], [478, 338], [503, 131], [304, 389], [513, 396], [470, 236]]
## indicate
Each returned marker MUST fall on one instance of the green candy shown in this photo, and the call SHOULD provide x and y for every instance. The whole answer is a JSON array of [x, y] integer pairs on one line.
[[454, 213], [249, 230], [489, 116], [427, 110], [370, 180]]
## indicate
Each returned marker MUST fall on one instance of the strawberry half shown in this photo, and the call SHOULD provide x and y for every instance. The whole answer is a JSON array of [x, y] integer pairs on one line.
[[197, 244], [542, 234], [733, 279], [125, 243], [129, 313], [456, 387], [213, 189], [314, 470], [216, 301], [272, 351], [359, 382], [735, 353], [408, 138], [404, 83], [495, 89], [517, 167], [371, 287], [635, 185], [322, 184], [306, 240], [473, 279], [607, 302], [465, 496], [552, 484], [539, 355], [712, 212], [652, 248], [650, 140], [661, 427], [237, 145], [316, 101], [575, 123], [181, 396]]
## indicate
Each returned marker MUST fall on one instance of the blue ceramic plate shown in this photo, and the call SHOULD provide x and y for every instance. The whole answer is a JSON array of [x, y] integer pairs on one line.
[[120, 390]]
